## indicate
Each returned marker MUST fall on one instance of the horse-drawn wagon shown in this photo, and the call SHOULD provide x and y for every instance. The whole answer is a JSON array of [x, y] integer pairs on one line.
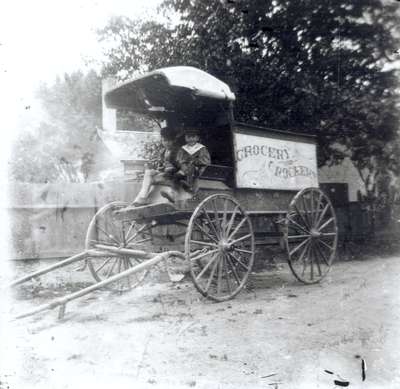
[[261, 186]]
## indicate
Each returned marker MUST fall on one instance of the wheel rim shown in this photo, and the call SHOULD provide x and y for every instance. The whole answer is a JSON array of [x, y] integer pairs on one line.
[[311, 235], [219, 245], [107, 230]]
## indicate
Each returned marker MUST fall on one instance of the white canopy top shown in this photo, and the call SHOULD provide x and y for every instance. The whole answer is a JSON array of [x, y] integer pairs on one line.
[[200, 82], [169, 88]]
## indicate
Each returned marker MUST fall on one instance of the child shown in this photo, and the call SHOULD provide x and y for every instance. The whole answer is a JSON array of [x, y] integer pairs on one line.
[[192, 159], [164, 173]]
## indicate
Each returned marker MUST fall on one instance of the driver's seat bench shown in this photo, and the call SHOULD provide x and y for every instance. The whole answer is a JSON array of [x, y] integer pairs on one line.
[[221, 173]]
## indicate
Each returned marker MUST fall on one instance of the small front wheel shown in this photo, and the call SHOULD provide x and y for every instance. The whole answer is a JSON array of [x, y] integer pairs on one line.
[[220, 247], [107, 230]]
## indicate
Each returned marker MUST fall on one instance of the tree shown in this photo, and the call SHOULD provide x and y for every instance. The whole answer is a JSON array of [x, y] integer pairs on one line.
[[314, 67], [63, 146]]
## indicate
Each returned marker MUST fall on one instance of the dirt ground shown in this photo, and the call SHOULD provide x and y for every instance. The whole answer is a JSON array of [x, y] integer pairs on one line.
[[277, 333]]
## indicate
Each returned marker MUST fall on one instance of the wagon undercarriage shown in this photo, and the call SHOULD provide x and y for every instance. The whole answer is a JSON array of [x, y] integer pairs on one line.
[[219, 244]]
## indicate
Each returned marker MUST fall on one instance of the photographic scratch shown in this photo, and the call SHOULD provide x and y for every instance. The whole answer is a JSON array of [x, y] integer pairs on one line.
[[269, 375], [341, 383], [363, 369]]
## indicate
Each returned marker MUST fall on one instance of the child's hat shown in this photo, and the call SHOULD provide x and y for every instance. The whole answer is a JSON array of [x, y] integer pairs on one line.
[[192, 131]]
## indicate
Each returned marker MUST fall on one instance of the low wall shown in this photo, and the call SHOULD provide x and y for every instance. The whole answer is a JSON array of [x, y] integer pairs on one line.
[[51, 220]]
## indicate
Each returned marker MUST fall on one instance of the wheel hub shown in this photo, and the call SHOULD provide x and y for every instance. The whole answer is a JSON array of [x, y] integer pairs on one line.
[[315, 233], [224, 246]]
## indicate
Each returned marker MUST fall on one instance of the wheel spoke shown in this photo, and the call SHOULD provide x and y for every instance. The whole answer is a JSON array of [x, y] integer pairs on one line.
[[238, 261], [298, 236], [231, 220], [103, 264], [326, 223], [224, 215], [217, 219], [240, 239], [234, 272], [205, 268], [228, 283], [298, 226], [140, 230], [130, 229], [299, 246], [323, 234], [205, 232], [108, 235], [243, 250], [200, 242], [312, 207], [211, 223], [311, 263], [128, 280], [321, 216], [211, 275], [110, 226], [204, 254], [129, 262], [237, 228], [103, 242], [305, 261], [326, 245], [317, 209], [322, 254], [306, 211], [119, 265], [300, 258], [112, 268], [314, 249], [219, 279], [301, 216], [139, 242]]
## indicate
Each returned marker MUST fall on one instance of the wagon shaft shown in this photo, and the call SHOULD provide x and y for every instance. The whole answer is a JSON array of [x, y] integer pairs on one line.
[[64, 300], [75, 258]]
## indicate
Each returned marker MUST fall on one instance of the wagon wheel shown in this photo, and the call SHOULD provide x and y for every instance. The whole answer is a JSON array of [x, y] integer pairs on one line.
[[106, 229], [310, 235], [220, 247]]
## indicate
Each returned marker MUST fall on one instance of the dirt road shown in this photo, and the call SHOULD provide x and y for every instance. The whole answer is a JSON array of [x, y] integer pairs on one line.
[[277, 334]]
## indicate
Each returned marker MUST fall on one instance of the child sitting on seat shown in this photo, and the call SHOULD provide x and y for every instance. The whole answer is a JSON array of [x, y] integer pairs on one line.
[[192, 159], [164, 172]]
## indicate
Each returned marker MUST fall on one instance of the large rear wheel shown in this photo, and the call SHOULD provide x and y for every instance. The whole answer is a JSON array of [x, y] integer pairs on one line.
[[311, 235], [220, 247]]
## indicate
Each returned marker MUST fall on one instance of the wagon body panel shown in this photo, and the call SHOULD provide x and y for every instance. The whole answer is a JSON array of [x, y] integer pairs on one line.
[[267, 159]]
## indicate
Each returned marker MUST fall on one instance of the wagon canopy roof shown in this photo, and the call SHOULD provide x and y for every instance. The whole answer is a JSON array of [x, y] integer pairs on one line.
[[167, 90]]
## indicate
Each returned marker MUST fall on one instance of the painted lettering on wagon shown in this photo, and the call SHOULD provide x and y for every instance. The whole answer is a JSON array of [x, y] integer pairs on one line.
[[265, 150], [294, 171]]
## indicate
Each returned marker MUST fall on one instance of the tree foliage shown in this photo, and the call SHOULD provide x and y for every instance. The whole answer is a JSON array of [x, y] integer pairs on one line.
[[314, 67], [63, 146]]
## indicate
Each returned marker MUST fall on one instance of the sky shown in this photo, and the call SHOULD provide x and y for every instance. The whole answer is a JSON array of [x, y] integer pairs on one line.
[[45, 38]]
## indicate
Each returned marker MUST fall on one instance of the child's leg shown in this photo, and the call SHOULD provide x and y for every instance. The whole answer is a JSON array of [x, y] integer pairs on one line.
[[141, 198]]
